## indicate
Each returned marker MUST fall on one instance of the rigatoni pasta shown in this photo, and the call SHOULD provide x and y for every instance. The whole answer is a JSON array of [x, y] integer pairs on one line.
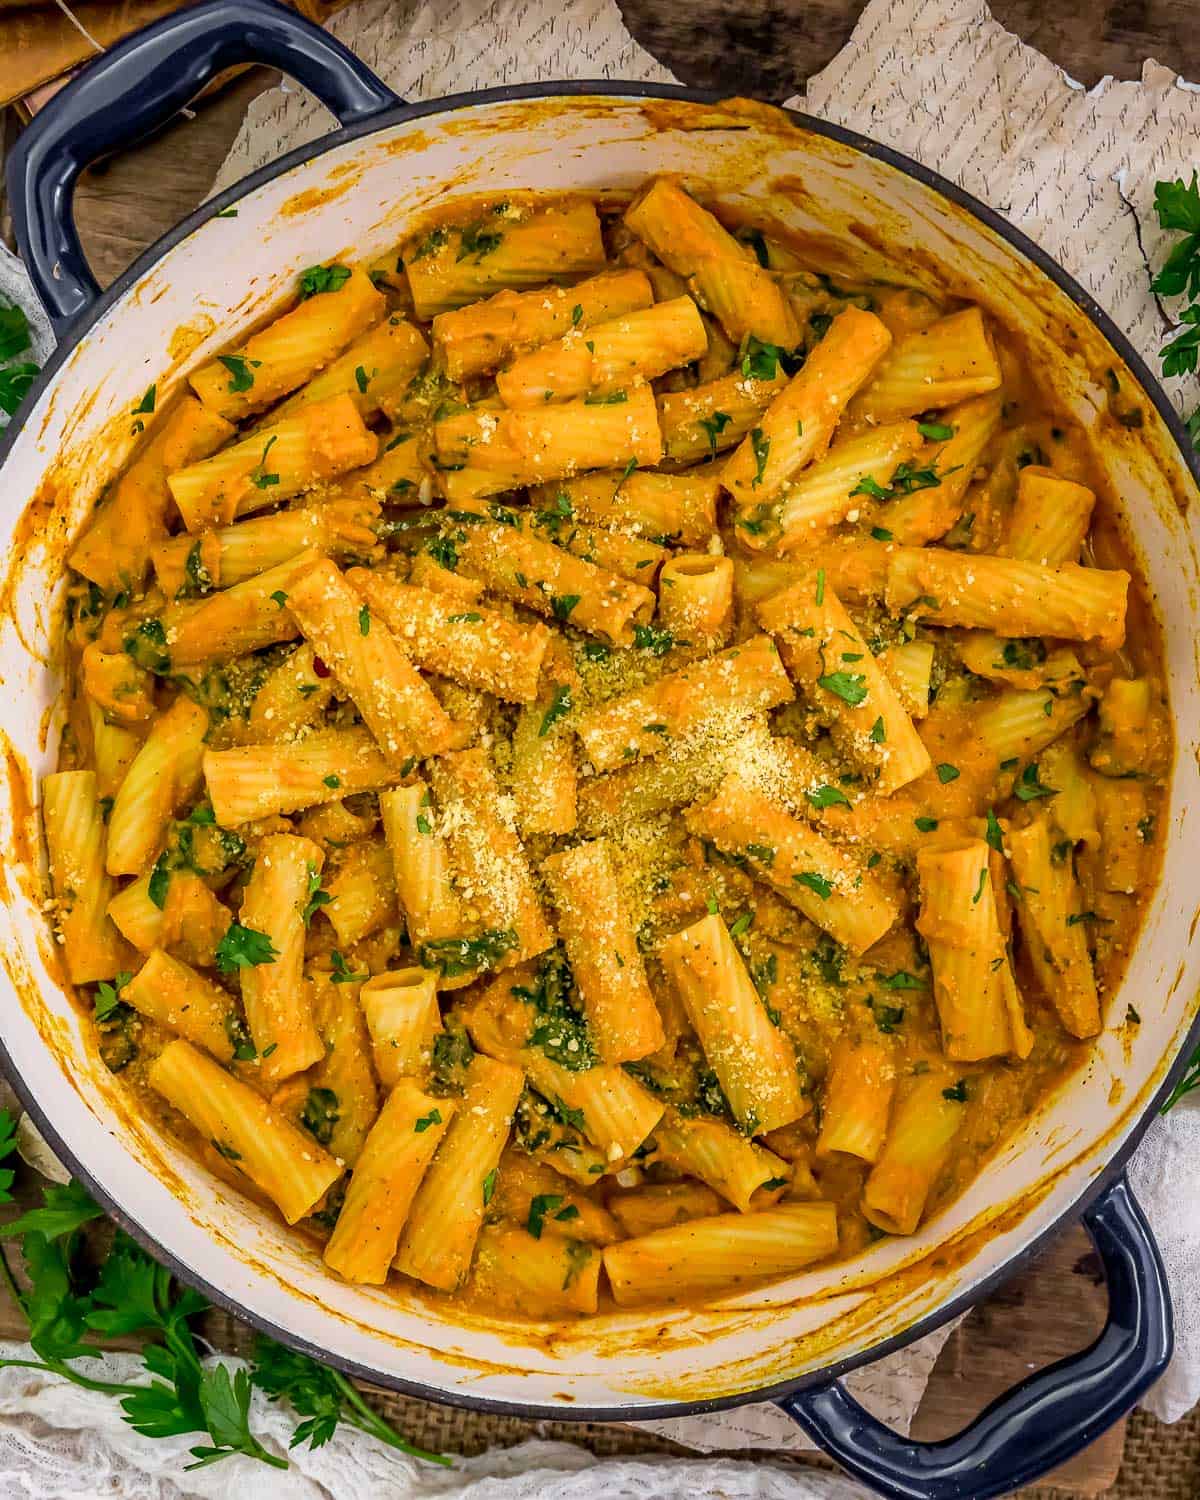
[[596, 782]]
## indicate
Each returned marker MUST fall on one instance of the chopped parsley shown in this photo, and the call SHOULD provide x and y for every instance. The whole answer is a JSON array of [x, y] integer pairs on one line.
[[467, 955], [239, 368], [320, 1114], [322, 279], [715, 426], [560, 706], [818, 884], [947, 773], [761, 447], [851, 687], [244, 948], [827, 796], [340, 970]]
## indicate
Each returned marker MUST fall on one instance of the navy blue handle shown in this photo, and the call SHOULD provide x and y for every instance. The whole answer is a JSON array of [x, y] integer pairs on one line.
[[139, 85], [1040, 1423]]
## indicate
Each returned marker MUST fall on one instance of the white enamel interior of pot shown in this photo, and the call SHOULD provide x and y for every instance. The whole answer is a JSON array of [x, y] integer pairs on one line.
[[220, 278]]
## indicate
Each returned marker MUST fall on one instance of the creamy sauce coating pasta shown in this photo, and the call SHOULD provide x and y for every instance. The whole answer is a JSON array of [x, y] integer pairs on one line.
[[605, 762]]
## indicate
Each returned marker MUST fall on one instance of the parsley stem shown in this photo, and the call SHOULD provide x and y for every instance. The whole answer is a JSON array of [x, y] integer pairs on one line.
[[55, 1368], [370, 1421]]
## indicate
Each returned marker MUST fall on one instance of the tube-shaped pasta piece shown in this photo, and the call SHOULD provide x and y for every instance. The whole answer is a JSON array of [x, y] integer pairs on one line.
[[366, 658], [798, 424], [1008, 596], [113, 751], [1022, 723], [610, 1107], [297, 453], [191, 919], [927, 1117], [403, 1018], [1050, 913], [930, 510], [362, 895], [291, 698], [572, 1215], [342, 528], [1050, 518], [747, 679], [514, 563], [825, 653], [390, 1166], [598, 934], [701, 422], [636, 347], [553, 1274], [751, 1057], [707, 1256], [857, 1099], [820, 879], [1122, 807], [276, 998], [233, 621], [675, 508], [909, 667], [661, 1204], [384, 359], [553, 1143], [427, 573], [510, 245], [341, 1089], [614, 551], [286, 1163], [1021, 664], [930, 368], [114, 551], [421, 864], [973, 987], [491, 867], [477, 647], [1124, 744], [484, 335], [830, 489], [438, 1241], [1073, 811], [82, 887], [115, 681], [724, 274], [288, 351], [695, 601], [164, 775], [258, 781], [529, 447], [185, 1002], [721, 1157], [544, 778]]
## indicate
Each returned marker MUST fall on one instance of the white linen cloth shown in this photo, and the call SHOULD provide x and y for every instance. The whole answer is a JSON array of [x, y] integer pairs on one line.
[[942, 81]]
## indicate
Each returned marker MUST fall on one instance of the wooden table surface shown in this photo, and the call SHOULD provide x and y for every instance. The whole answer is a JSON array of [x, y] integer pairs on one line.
[[767, 48]]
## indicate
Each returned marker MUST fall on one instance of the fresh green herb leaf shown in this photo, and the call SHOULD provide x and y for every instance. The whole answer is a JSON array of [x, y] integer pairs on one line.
[[455, 956], [434, 1117], [340, 970], [560, 706], [15, 381], [925, 825], [239, 368], [880, 534], [160, 880], [244, 948], [936, 432], [15, 336], [541, 1205], [320, 1114], [651, 638], [947, 773], [983, 875], [761, 852], [851, 687], [145, 405], [323, 279], [878, 731], [761, 447], [714, 426], [818, 884], [760, 361], [1029, 786], [562, 604], [827, 796]]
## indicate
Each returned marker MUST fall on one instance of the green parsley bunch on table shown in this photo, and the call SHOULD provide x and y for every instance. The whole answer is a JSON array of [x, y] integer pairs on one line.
[[71, 1299]]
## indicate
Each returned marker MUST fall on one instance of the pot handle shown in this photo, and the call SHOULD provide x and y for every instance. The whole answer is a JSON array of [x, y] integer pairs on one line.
[[1040, 1423], [137, 86]]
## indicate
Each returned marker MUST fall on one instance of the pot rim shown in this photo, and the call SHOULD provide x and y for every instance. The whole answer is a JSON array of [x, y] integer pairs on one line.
[[1151, 387]]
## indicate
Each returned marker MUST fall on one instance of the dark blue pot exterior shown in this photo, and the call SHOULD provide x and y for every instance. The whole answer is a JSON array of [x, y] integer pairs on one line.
[[136, 87]]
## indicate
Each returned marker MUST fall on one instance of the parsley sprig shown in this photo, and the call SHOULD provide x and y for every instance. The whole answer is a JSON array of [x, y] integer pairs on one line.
[[67, 1303], [1178, 207]]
